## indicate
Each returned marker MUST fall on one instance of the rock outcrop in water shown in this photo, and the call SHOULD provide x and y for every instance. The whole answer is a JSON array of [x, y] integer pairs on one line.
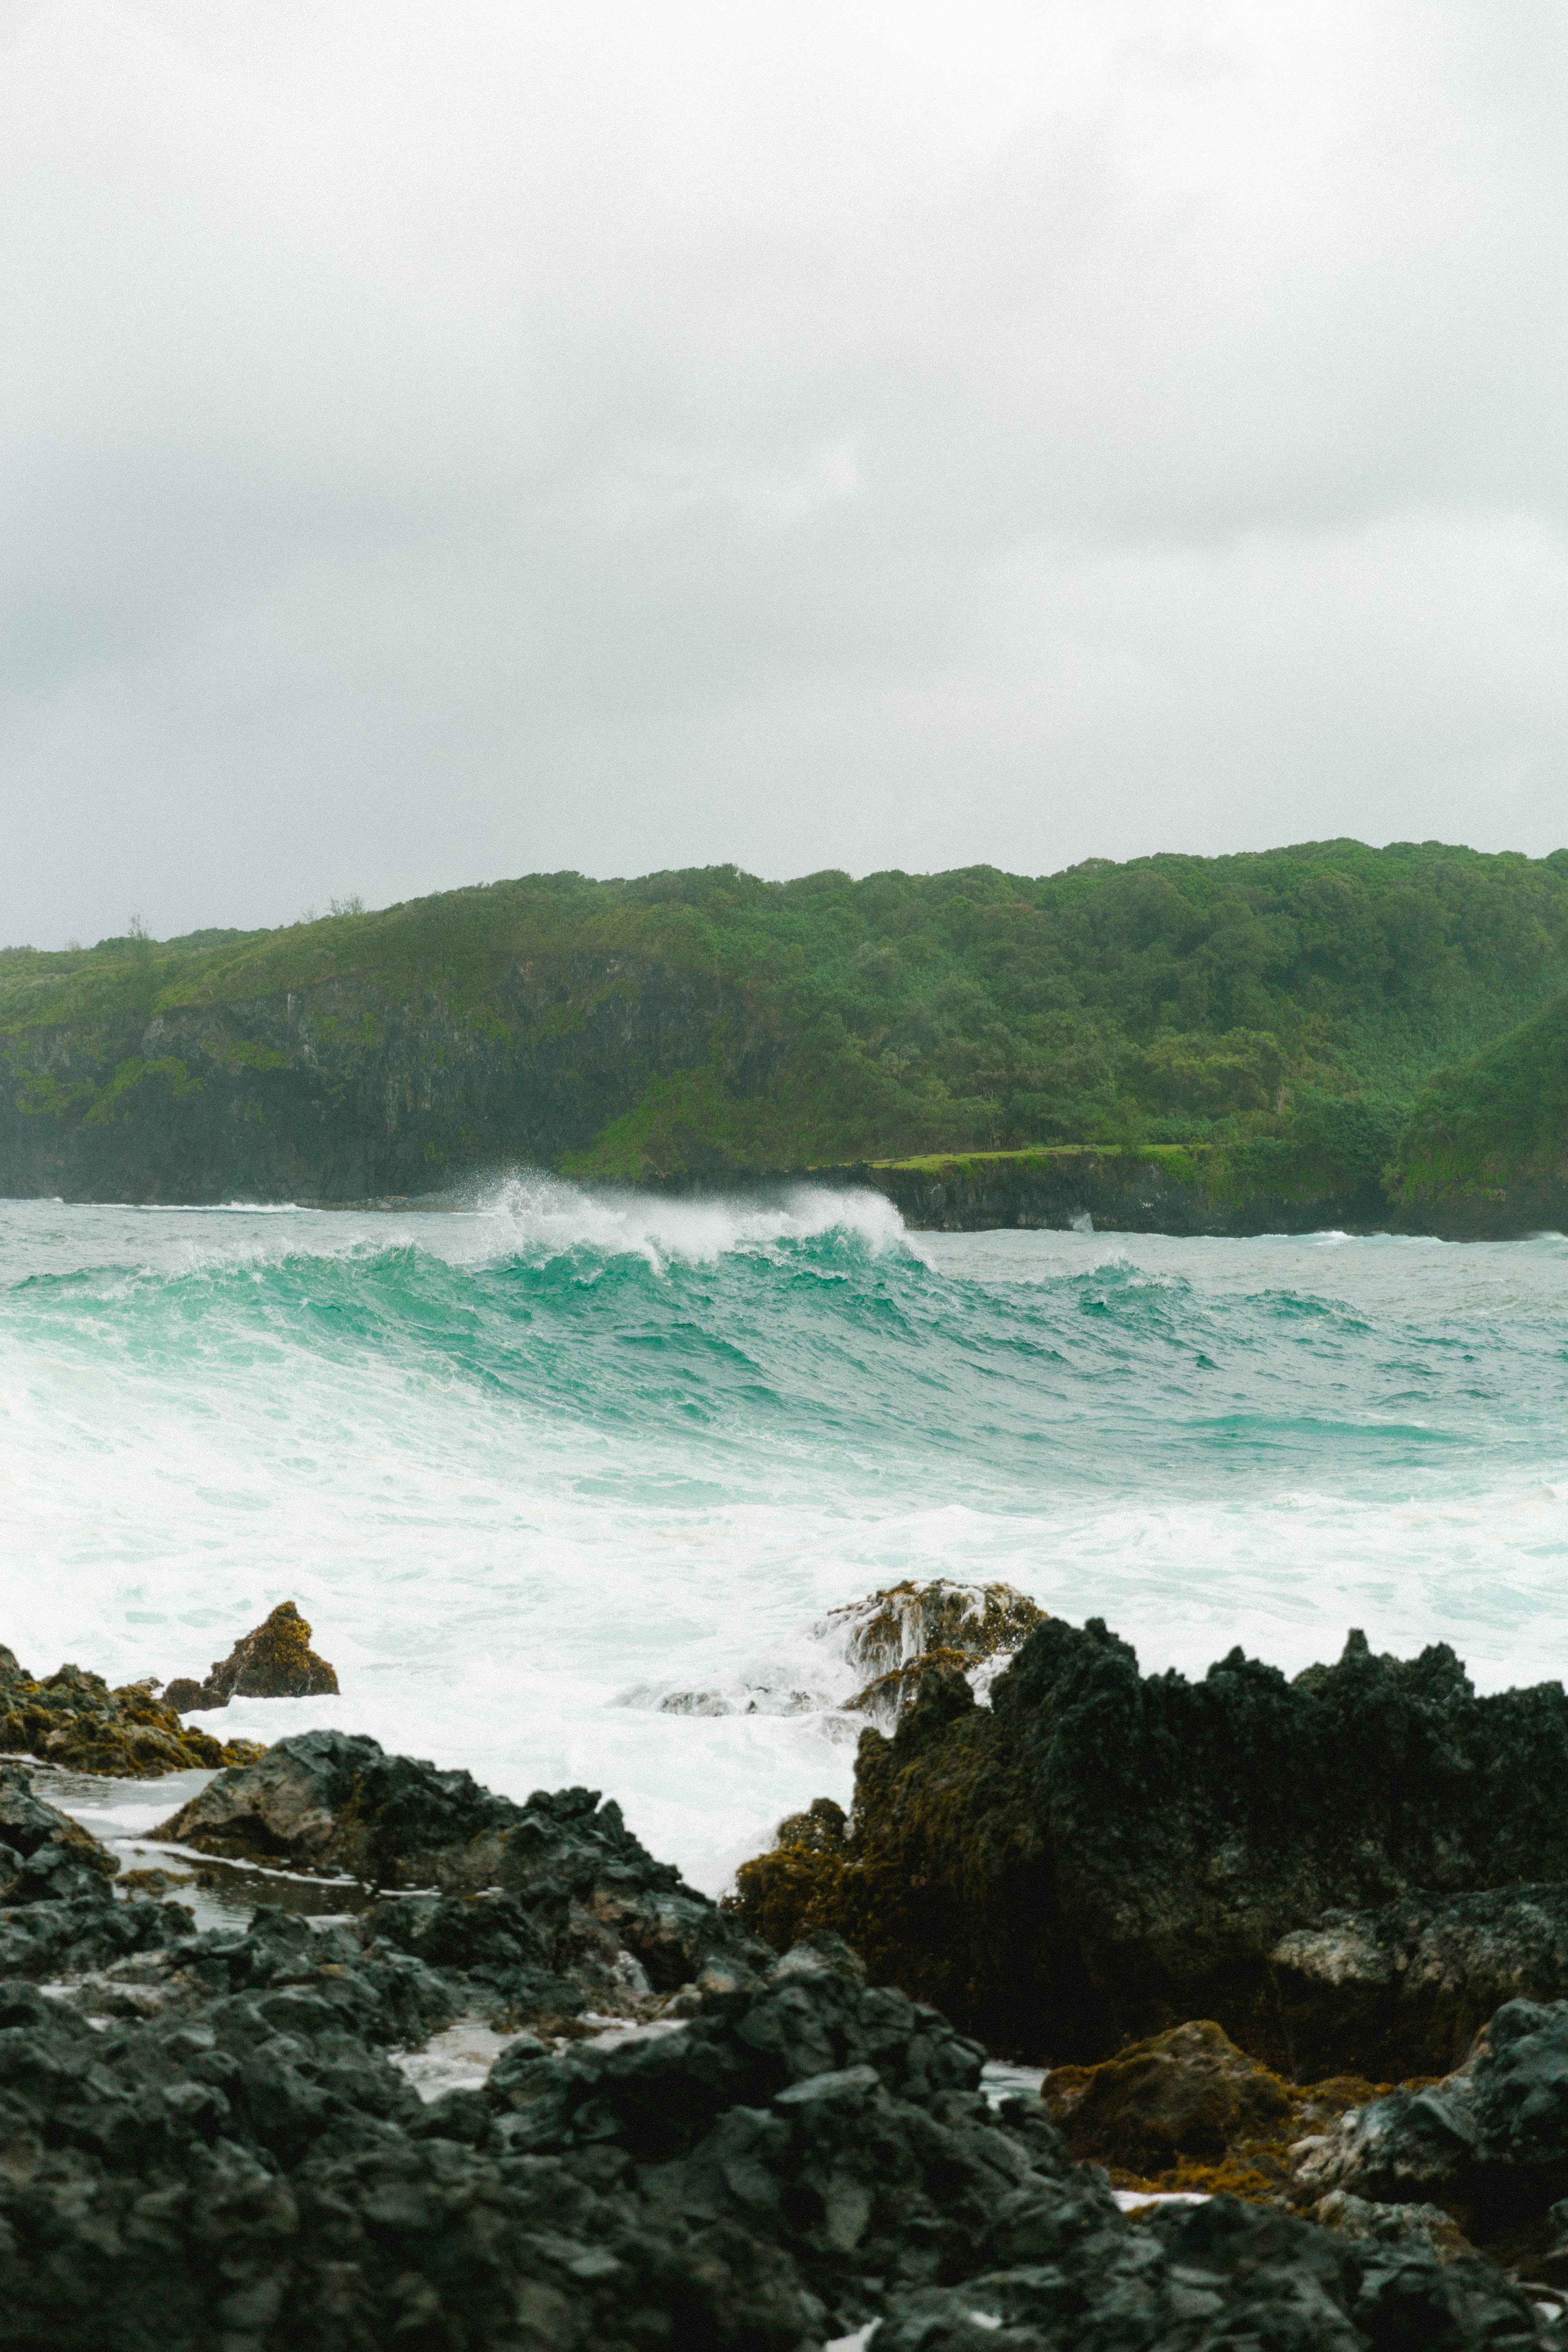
[[74, 1719], [276, 1661], [207, 2143], [896, 1637], [1099, 1854]]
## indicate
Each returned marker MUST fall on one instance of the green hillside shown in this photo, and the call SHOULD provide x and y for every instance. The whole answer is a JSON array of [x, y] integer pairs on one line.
[[1289, 1006], [1493, 1133]]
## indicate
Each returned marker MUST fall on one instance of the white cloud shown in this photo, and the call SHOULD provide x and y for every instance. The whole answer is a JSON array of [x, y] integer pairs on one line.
[[442, 443]]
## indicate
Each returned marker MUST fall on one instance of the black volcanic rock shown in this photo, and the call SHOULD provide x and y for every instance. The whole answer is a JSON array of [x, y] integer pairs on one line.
[[335, 1802], [1404, 1989], [1489, 2143], [43, 1852], [1223, 2274], [204, 2141], [58, 1911], [1101, 1855], [803, 2158], [536, 1960]]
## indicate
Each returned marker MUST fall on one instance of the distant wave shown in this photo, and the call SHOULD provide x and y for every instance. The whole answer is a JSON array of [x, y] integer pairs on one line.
[[544, 1216]]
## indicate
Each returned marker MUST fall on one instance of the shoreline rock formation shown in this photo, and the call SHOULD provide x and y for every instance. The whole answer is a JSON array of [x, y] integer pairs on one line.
[[73, 1719], [274, 1660], [896, 1637], [210, 2140], [215, 2136], [1098, 1855], [335, 1803]]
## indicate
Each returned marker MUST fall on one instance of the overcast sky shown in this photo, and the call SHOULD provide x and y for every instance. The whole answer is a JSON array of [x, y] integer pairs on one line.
[[444, 441]]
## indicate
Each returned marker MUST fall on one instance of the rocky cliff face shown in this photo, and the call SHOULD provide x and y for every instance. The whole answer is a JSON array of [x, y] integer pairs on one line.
[[335, 1092], [1124, 1192]]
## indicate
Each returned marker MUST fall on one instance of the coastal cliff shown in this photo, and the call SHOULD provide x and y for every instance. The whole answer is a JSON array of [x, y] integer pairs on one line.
[[337, 1093], [1182, 1045], [1485, 1150], [1154, 1189]]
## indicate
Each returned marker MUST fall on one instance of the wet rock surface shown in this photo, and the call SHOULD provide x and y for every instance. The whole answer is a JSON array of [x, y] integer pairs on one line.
[[213, 2140], [335, 1802], [1101, 1855], [898, 1636], [73, 1719], [1488, 2143], [274, 1660], [58, 1909], [1197, 2278]]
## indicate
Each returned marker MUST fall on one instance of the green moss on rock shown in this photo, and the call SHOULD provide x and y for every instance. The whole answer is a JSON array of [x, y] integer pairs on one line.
[[274, 1660], [73, 1719]]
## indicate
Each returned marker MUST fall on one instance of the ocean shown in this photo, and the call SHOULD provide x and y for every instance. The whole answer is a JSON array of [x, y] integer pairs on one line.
[[567, 1484]]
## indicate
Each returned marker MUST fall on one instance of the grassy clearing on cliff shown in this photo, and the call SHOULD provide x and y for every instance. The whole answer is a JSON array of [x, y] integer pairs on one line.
[[1287, 1004]]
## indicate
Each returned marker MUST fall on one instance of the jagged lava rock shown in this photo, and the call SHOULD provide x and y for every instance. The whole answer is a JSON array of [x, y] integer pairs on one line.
[[534, 1961], [273, 1661], [1101, 1855], [75, 1721], [1488, 2143], [206, 2143], [844, 2124], [1223, 2278], [44, 1852], [1405, 1989], [254, 2175], [59, 1910], [335, 1802], [1423, 2226]]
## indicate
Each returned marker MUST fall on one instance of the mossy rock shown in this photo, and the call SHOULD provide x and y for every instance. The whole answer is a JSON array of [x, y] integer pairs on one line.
[[903, 1622], [273, 1661], [1188, 2093], [74, 1720]]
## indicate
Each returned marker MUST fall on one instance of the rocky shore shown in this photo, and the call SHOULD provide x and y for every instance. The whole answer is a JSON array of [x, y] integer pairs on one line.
[[1097, 1855], [73, 1719], [1295, 1954]]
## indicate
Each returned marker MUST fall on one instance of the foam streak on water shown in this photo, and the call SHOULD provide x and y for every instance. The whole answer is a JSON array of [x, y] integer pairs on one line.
[[530, 1466]]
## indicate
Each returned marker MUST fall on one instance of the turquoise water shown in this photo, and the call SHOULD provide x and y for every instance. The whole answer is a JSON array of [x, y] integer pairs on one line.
[[565, 1484]]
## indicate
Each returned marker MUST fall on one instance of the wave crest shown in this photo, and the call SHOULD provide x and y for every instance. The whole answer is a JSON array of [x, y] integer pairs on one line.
[[541, 1216]]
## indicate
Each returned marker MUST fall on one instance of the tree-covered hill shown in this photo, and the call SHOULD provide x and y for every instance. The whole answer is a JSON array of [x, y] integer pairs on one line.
[[1289, 1005], [1487, 1141]]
